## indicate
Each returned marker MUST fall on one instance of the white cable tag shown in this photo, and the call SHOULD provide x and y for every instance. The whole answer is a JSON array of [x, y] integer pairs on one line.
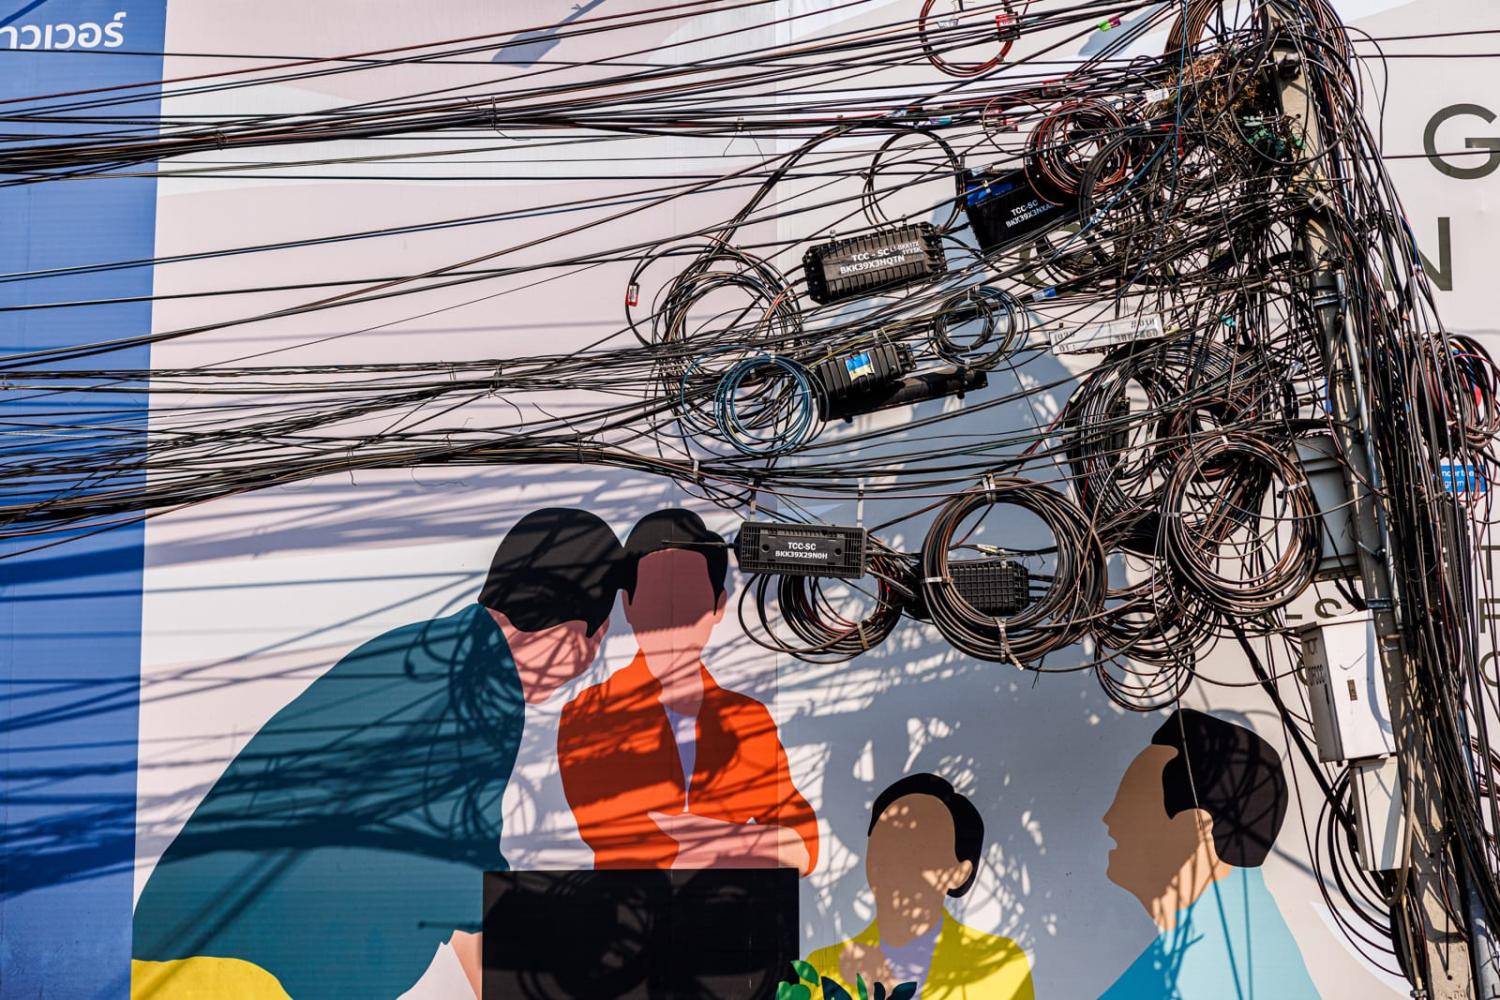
[[1102, 336]]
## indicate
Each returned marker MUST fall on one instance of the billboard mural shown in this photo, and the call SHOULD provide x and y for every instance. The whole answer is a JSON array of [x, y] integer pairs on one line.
[[267, 746]]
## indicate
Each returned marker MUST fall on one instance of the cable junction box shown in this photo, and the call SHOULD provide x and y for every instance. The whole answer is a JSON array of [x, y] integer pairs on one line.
[[1319, 456], [884, 259], [1341, 665], [862, 372], [992, 586], [801, 549], [918, 388], [1379, 813], [1005, 211]]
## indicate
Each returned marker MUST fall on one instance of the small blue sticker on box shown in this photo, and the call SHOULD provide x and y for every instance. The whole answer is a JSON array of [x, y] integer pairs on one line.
[[859, 365]]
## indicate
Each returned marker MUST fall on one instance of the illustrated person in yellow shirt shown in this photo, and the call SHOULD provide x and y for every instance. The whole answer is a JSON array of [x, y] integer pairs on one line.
[[925, 843]]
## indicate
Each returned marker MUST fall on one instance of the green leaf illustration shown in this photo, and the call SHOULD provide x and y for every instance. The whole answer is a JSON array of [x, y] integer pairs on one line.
[[793, 991], [864, 991], [805, 971], [833, 991]]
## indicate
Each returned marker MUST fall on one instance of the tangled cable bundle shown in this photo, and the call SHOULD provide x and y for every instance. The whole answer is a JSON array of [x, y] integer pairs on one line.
[[1078, 140], [941, 30], [1120, 458], [765, 405], [1218, 541], [767, 313], [1057, 618], [820, 632], [1002, 323]]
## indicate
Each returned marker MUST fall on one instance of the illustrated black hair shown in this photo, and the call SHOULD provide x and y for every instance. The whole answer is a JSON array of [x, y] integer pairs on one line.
[[1233, 775], [674, 528], [558, 564], [968, 825]]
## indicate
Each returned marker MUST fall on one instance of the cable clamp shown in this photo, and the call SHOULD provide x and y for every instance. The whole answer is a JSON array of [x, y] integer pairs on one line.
[[1005, 644], [936, 579], [864, 640]]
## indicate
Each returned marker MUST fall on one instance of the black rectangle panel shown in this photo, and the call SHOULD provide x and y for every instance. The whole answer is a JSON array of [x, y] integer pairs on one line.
[[916, 388], [992, 586], [801, 549], [1005, 211], [650, 934], [878, 261]]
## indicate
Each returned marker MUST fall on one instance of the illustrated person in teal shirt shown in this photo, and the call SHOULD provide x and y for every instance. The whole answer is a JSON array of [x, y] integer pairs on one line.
[[345, 843], [1195, 817]]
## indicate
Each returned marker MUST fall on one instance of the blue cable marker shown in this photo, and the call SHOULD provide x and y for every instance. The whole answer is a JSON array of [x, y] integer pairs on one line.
[[1463, 477]]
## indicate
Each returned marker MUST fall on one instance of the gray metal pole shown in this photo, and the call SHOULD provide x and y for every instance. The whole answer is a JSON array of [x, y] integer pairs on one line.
[[1447, 950]]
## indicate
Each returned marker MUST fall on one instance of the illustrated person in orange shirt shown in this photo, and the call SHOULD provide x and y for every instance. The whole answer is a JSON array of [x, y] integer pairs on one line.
[[662, 767]]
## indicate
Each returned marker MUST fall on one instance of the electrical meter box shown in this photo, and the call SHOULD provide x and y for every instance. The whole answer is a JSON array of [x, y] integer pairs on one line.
[[1380, 813], [1324, 469], [1341, 665]]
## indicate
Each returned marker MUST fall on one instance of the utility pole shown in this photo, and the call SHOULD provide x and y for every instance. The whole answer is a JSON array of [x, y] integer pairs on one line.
[[1426, 875]]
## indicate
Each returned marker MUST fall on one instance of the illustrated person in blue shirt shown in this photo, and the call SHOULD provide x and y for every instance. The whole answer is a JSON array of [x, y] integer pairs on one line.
[[1195, 817], [345, 844]]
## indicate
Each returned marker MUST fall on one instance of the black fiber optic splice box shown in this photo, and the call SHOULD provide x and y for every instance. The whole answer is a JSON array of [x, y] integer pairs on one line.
[[916, 388], [857, 373], [991, 586], [801, 549], [878, 261], [1004, 210]]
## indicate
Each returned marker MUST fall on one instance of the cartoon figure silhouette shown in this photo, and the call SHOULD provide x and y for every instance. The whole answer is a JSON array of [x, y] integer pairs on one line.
[[346, 842], [925, 844], [1196, 815], [663, 767]]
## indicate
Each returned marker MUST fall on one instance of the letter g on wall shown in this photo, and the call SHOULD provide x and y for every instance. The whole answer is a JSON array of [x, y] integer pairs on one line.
[[1429, 135]]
